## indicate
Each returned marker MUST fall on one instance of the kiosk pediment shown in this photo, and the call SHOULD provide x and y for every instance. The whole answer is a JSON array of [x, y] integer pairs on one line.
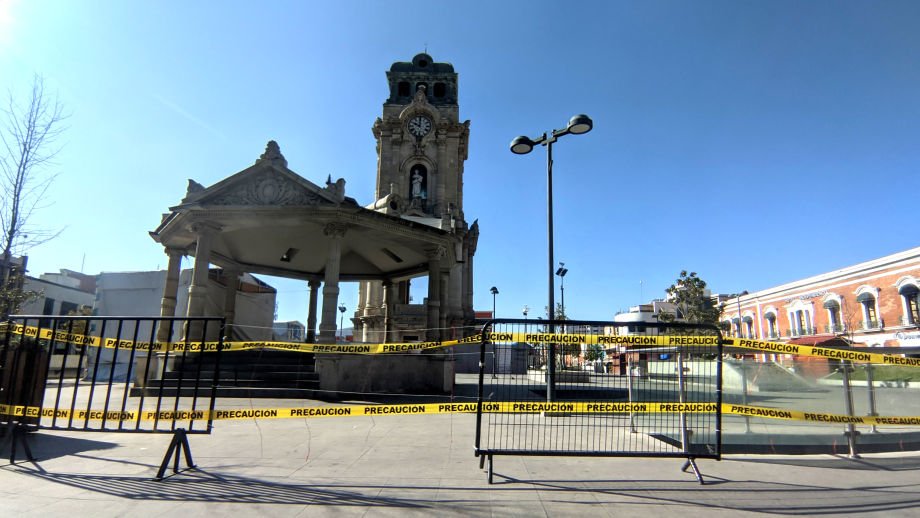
[[266, 187], [268, 182]]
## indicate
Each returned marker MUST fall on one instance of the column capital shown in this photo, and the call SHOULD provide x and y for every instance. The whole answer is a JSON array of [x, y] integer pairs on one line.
[[204, 227], [435, 253], [335, 229], [314, 283], [174, 252]]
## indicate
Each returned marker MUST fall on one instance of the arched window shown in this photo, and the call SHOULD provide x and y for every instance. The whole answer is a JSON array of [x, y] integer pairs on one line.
[[748, 326], [866, 301], [834, 322], [403, 89], [910, 294], [772, 330]]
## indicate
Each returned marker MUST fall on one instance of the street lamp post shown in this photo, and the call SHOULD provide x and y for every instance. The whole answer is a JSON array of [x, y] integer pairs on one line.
[[561, 271], [494, 291], [744, 388], [342, 309], [522, 145], [525, 310]]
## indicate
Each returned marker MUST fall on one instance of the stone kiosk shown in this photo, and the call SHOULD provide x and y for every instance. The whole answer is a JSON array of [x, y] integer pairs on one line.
[[266, 219]]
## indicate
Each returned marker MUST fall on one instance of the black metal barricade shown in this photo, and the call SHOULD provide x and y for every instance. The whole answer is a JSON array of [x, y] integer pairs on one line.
[[109, 374], [580, 388]]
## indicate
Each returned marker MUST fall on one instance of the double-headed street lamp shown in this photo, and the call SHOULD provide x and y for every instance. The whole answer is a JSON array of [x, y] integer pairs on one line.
[[578, 125], [342, 310]]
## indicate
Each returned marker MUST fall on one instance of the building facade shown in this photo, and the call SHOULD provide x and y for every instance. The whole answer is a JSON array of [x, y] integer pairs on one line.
[[874, 304]]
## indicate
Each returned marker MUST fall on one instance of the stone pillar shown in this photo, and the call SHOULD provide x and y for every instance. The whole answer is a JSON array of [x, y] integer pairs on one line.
[[468, 284], [402, 295], [434, 292], [311, 315], [170, 290], [335, 231], [454, 301], [197, 292], [233, 285], [445, 305], [388, 299]]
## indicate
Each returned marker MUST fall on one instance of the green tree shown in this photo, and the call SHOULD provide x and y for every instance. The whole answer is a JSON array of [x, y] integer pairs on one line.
[[693, 302], [594, 352]]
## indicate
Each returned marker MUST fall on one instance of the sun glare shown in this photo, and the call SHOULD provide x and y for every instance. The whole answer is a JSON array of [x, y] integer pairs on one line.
[[6, 22]]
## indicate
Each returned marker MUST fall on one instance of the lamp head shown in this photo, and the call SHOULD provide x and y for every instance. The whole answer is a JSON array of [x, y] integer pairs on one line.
[[494, 290], [580, 123], [521, 145]]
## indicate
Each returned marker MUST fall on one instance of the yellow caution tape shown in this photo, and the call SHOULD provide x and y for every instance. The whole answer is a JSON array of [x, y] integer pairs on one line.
[[817, 417], [162, 347], [526, 407], [495, 337]]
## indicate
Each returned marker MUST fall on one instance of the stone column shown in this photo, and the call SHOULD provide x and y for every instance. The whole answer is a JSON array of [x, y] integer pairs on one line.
[[311, 315], [197, 292], [388, 299], [335, 231], [445, 304], [454, 301], [434, 292], [233, 285], [170, 289]]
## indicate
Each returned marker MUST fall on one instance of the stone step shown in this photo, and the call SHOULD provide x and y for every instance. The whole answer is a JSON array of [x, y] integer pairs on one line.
[[232, 392], [281, 373]]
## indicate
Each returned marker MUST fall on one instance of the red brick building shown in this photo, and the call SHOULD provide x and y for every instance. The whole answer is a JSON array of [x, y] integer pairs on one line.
[[873, 304]]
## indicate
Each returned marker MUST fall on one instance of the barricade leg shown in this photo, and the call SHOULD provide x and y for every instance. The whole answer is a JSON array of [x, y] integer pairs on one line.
[[691, 463], [18, 436], [177, 446], [490, 469]]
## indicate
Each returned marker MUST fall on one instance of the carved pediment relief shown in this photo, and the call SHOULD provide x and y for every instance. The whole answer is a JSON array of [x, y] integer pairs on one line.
[[265, 188]]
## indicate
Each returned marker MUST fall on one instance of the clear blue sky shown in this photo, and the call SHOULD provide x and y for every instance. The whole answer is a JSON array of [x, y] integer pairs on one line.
[[752, 142]]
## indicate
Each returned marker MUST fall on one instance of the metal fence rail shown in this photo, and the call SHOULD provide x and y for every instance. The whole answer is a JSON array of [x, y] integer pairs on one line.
[[601, 396], [88, 373]]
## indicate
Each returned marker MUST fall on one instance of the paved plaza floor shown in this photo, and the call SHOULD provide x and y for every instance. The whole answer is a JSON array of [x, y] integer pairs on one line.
[[423, 465]]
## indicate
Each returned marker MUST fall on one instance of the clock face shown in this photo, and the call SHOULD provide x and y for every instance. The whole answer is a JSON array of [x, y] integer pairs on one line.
[[419, 125]]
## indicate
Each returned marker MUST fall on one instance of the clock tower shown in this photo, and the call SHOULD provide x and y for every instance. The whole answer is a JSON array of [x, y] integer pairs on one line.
[[421, 143], [421, 149]]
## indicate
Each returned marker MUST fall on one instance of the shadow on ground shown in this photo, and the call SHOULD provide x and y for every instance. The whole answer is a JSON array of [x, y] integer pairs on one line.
[[775, 497]]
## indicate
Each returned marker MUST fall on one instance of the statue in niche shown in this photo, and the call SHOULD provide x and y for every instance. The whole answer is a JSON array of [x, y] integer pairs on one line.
[[418, 191], [416, 184]]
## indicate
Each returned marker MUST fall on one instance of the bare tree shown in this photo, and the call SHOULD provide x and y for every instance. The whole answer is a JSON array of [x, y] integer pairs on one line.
[[28, 134]]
